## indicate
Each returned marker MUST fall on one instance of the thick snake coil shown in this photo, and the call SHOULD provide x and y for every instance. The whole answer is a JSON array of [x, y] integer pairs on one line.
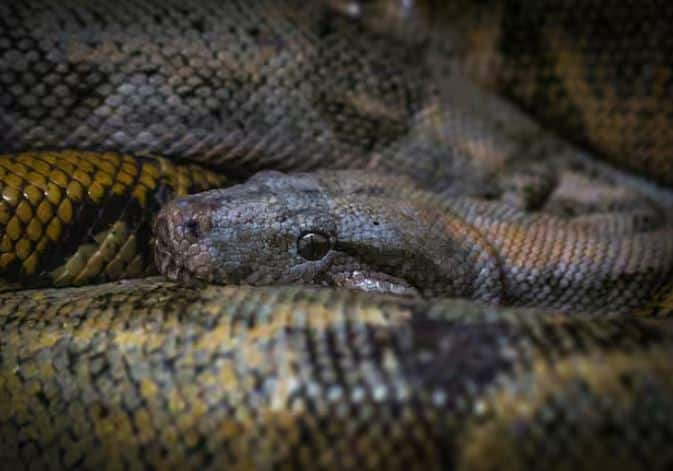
[[100, 101], [152, 374], [598, 71], [71, 218]]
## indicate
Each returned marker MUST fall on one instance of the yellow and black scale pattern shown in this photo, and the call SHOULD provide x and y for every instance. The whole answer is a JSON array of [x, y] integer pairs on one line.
[[71, 218]]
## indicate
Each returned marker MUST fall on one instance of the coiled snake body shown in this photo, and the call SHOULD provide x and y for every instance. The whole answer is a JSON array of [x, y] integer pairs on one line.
[[105, 112]]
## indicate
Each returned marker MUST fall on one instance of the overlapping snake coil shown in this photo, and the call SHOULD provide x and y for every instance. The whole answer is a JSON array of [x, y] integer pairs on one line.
[[110, 109]]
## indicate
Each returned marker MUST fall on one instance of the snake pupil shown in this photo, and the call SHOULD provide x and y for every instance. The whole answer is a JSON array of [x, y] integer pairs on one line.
[[313, 245]]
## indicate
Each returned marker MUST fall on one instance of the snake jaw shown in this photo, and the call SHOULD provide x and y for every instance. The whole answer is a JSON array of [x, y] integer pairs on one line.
[[374, 282]]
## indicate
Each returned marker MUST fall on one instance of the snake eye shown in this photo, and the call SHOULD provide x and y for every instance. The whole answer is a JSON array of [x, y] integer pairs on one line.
[[313, 245]]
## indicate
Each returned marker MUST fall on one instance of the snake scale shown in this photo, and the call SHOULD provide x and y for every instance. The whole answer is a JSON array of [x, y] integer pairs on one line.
[[110, 110]]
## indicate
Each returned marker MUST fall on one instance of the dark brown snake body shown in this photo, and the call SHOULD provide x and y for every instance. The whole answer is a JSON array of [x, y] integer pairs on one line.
[[113, 103]]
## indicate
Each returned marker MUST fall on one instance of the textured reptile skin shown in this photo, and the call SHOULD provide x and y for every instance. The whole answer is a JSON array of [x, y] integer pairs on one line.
[[597, 70], [245, 86], [600, 70], [72, 218], [242, 85], [382, 235], [151, 374]]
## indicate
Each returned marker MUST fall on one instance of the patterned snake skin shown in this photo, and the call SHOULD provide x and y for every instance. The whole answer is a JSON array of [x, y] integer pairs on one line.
[[156, 375], [599, 71], [346, 228], [110, 109], [71, 218]]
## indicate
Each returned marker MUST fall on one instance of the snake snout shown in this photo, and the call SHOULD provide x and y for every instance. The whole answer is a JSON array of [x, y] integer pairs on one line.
[[165, 244], [178, 229]]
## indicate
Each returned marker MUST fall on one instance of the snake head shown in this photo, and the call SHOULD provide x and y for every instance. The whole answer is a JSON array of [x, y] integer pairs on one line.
[[339, 228], [274, 229]]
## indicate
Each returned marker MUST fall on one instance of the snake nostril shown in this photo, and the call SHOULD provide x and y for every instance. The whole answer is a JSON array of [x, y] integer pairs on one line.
[[192, 228]]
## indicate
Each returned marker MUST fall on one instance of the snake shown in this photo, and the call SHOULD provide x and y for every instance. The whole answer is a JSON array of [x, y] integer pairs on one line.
[[110, 111], [343, 228]]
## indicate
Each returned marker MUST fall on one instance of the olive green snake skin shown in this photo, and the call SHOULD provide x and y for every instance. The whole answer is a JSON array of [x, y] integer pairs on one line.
[[105, 111]]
